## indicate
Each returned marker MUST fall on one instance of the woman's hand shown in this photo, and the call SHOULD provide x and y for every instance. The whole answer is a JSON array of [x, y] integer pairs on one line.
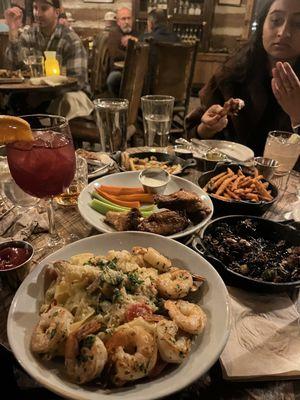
[[212, 121], [286, 89]]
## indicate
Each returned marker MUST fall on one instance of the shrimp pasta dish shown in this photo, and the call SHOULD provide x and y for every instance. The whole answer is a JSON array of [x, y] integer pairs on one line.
[[119, 317]]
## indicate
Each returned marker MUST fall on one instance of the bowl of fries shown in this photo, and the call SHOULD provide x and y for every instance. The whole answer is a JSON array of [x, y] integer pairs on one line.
[[236, 189]]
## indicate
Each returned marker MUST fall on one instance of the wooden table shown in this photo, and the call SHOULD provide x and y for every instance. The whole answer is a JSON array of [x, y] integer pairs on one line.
[[26, 86], [210, 386]]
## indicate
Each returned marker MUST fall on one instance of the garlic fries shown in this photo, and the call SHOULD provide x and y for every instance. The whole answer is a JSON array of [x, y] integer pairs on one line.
[[229, 186]]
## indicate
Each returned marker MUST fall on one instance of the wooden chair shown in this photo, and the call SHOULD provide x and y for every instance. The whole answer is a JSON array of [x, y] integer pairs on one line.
[[134, 72], [171, 70], [133, 76], [99, 65]]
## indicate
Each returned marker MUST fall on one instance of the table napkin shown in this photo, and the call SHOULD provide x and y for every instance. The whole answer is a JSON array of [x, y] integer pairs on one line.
[[264, 342], [55, 80], [20, 226]]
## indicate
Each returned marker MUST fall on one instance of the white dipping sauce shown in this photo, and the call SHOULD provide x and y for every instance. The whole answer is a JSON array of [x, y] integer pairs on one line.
[[153, 182]]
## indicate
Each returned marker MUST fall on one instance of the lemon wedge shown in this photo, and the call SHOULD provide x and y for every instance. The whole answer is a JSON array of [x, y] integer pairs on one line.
[[294, 138], [13, 129]]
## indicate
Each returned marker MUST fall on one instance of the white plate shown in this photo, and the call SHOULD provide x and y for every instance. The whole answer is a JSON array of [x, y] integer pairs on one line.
[[103, 171], [131, 179], [231, 149], [23, 315]]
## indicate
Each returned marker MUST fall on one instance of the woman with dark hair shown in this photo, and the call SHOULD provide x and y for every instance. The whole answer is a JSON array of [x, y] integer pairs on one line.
[[264, 73]]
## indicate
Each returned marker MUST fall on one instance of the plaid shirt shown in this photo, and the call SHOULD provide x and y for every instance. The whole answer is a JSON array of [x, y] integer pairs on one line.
[[69, 51]]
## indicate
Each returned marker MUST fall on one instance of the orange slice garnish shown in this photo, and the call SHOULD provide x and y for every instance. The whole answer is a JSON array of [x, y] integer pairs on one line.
[[14, 129]]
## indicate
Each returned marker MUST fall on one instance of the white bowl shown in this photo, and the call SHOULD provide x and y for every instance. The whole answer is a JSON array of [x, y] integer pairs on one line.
[[23, 315]]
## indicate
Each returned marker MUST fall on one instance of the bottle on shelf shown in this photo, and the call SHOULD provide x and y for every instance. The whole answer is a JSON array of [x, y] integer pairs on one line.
[[185, 7], [191, 10], [198, 10], [180, 8]]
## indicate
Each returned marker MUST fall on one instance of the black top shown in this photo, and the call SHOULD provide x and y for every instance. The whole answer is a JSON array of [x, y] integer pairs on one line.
[[160, 34]]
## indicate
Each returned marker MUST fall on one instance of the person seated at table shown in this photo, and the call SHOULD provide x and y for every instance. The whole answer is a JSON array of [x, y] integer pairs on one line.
[[264, 73], [49, 35], [117, 45], [157, 25]]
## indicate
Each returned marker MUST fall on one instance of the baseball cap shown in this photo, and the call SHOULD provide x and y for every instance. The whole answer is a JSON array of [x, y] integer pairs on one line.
[[110, 16], [53, 3]]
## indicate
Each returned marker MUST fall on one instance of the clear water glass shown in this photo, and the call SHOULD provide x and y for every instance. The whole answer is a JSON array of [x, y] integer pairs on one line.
[[36, 65], [111, 119], [157, 118]]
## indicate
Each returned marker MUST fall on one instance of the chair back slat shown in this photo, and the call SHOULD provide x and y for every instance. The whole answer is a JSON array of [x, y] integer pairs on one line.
[[100, 64], [172, 69], [134, 72]]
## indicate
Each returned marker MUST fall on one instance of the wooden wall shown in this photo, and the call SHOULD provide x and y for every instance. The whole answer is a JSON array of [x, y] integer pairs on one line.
[[231, 25], [89, 16]]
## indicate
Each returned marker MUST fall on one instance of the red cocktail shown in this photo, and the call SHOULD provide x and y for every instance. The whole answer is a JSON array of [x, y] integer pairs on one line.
[[45, 167]]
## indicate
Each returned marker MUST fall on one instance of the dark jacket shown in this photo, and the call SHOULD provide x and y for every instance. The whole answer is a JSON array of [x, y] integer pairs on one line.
[[260, 115], [160, 34], [117, 52]]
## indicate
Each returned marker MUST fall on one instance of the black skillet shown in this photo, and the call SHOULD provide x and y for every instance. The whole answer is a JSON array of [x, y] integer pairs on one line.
[[161, 157], [236, 207], [267, 229]]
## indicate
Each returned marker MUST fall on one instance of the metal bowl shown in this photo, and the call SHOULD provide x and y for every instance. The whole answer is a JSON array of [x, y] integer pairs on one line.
[[266, 166], [13, 277]]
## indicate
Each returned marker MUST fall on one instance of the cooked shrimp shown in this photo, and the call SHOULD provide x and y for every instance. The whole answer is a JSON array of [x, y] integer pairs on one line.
[[51, 330], [172, 348], [188, 316], [132, 352], [175, 284], [157, 260], [85, 354]]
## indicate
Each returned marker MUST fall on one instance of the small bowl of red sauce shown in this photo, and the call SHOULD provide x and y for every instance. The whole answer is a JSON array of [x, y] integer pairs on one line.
[[15, 258]]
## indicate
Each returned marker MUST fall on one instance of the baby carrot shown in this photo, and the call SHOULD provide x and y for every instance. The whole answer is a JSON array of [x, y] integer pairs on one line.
[[116, 190], [142, 197], [115, 200]]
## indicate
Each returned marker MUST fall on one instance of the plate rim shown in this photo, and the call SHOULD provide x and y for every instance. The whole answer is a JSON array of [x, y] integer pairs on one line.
[[80, 396], [173, 177], [232, 143]]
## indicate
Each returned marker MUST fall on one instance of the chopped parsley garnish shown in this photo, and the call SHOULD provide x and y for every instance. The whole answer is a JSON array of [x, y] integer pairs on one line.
[[88, 341]]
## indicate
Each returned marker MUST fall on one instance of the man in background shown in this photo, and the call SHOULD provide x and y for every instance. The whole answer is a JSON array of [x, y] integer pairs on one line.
[[49, 35], [157, 24], [117, 45]]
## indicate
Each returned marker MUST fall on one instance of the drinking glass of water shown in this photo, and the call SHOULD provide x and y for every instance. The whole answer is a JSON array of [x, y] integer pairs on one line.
[[111, 119], [36, 65], [157, 117]]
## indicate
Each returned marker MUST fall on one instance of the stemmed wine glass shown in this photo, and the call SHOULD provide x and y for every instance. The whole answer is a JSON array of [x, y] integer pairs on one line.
[[45, 167]]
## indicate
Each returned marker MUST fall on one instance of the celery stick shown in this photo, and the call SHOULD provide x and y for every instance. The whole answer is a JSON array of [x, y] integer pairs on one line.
[[147, 208], [99, 197], [103, 208]]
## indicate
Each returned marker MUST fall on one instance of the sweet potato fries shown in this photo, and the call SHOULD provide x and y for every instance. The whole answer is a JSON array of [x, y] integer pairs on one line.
[[229, 186]]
